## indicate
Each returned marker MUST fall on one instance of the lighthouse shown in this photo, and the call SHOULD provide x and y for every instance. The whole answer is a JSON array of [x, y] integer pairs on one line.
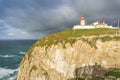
[[82, 21], [97, 24]]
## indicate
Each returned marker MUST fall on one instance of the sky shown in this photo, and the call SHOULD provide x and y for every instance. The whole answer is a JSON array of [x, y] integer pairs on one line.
[[33, 19]]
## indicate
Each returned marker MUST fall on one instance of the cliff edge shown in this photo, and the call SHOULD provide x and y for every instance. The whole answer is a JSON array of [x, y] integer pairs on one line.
[[72, 54]]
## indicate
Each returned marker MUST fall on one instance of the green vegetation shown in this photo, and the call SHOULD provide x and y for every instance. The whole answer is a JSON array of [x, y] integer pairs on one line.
[[106, 38], [93, 42], [71, 41], [33, 68], [115, 73], [76, 79], [88, 32], [117, 37], [70, 36]]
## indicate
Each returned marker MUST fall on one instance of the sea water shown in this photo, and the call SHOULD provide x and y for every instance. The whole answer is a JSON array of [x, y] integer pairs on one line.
[[11, 53]]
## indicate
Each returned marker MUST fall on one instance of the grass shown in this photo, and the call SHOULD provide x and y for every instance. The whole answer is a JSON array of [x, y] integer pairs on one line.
[[76, 79], [92, 42], [115, 73], [117, 38], [69, 36], [106, 38]]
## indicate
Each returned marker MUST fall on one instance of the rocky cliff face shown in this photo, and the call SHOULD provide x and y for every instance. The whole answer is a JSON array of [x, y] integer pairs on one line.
[[64, 61]]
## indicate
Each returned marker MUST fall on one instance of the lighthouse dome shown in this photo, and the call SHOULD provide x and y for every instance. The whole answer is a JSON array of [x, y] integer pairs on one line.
[[82, 18]]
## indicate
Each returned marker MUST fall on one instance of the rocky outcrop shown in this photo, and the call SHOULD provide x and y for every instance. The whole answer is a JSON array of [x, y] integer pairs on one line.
[[63, 61]]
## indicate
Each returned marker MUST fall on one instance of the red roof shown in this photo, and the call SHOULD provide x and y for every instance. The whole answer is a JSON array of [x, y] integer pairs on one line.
[[82, 18], [101, 23]]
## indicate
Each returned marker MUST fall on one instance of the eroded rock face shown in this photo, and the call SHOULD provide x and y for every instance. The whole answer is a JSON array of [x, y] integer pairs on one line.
[[60, 63]]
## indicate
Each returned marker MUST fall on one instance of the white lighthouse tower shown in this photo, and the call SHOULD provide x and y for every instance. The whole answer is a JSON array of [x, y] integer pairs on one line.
[[82, 21]]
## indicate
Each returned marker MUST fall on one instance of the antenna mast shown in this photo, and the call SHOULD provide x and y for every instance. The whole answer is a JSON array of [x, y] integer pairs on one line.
[[118, 23], [118, 26]]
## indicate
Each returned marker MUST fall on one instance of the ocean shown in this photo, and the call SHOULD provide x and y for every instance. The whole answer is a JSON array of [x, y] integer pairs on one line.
[[11, 53]]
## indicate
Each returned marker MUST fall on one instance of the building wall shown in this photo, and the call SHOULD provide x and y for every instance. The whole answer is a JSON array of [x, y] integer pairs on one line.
[[82, 23], [83, 27], [90, 27]]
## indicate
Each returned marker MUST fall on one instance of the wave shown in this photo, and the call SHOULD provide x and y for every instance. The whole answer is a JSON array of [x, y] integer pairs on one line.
[[12, 76], [6, 56], [5, 72], [21, 52]]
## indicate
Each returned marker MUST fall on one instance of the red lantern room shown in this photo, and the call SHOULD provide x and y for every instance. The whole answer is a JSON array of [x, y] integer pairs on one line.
[[82, 18], [82, 21]]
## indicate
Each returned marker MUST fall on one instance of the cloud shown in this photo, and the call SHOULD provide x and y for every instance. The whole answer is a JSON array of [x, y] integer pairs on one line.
[[40, 17], [11, 34], [2, 26], [35, 20]]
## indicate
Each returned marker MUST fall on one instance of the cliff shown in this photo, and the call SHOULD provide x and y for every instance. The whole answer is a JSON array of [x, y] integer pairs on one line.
[[72, 54]]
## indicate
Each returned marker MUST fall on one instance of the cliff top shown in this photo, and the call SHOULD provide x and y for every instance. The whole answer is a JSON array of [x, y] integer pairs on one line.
[[70, 36]]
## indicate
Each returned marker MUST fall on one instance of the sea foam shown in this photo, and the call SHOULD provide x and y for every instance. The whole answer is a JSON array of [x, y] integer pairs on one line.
[[21, 52], [5, 72], [6, 56]]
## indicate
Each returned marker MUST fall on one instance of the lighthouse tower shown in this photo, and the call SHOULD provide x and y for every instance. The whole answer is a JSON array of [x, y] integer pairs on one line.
[[82, 21]]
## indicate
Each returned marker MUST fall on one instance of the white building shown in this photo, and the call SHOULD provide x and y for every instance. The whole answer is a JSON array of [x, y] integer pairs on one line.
[[93, 25]]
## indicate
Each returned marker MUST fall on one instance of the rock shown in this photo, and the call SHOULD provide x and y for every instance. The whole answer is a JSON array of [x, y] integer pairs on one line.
[[77, 60]]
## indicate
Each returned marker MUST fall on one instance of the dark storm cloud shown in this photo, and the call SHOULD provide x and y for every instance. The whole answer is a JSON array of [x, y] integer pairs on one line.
[[97, 9], [39, 17], [33, 19]]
